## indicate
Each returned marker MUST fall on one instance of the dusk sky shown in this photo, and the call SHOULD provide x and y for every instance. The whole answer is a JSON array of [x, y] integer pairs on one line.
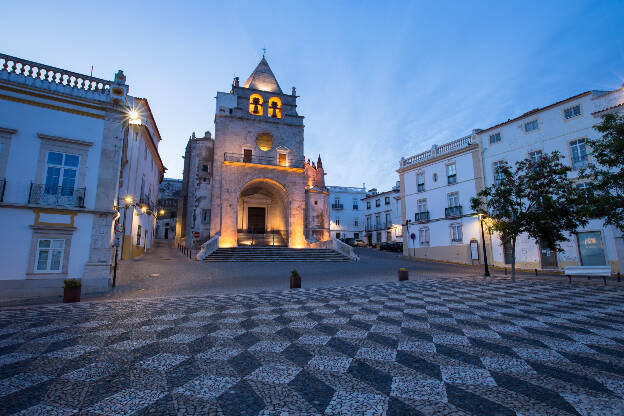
[[376, 80]]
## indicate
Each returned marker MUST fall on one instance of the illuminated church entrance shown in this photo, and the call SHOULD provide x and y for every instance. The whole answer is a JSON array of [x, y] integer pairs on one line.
[[262, 214]]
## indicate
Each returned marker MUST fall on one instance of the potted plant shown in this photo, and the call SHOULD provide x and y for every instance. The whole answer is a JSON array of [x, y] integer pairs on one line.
[[295, 280], [72, 289], [403, 274]]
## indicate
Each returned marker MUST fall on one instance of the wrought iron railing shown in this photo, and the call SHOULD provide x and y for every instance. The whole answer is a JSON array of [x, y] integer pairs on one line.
[[263, 160], [2, 187], [379, 227], [41, 194], [337, 206], [421, 216], [248, 237], [455, 211]]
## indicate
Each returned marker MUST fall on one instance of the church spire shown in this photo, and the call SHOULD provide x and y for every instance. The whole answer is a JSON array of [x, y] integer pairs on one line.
[[319, 163], [262, 78]]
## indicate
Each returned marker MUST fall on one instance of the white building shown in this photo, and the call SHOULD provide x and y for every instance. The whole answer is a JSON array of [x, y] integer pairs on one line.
[[436, 187], [168, 196], [563, 126], [426, 189], [346, 216], [64, 138], [383, 216]]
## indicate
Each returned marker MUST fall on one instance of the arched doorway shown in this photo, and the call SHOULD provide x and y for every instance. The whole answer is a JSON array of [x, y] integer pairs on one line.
[[262, 214]]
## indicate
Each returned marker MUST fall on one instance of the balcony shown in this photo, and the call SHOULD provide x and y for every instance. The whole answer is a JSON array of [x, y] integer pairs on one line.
[[421, 216], [2, 187], [368, 227], [41, 194], [452, 212], [263, 160], [379, 227], [337, 207]]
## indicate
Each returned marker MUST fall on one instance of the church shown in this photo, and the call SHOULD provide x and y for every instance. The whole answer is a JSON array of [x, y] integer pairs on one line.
[[251, 185]]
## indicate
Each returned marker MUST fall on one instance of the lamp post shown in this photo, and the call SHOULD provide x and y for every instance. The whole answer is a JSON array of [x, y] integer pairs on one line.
[[486, 272], [128, 202]]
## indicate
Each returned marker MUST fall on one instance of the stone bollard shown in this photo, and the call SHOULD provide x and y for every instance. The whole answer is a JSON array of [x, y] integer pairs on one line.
[[403, 274], [295, 280]]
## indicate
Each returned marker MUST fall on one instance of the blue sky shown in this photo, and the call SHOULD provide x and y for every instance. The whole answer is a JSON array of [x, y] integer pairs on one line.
[[377, 80]]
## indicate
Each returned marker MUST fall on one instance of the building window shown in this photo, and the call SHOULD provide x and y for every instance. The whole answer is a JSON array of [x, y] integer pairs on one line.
[[275, 107], [356, 204], [205, 216], [337, 221], [255, 104], [535, 156], [247, 155], [420, 182], [498, 174], [61, 170], [378, 202], [138, 235], [451, 174], [422, 205], [495, 138], [356, 222], [388, 220], [378, 235], [578, 152], [456, 233], [368, 205], [204, 168], [356, 235], [315, 202], [50, 253], [591, 249], [281, 159], [423, 236], [387, 200], [368, 222], [530, 126], [572, 112], [378, 220], [337, 235]]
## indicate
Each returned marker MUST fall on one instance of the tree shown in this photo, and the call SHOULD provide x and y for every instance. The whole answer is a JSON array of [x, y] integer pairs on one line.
[[606, 191], [536, 198]]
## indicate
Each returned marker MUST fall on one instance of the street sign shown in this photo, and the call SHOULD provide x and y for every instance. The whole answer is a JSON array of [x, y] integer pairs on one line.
[[196, 234]]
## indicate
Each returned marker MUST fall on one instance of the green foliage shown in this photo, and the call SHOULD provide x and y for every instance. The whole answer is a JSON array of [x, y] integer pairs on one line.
[[294, 273], [72, 283], [605, 195], [536, 198]]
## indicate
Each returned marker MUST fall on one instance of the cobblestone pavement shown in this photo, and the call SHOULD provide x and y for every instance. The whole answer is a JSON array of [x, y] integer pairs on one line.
[[432, 347]]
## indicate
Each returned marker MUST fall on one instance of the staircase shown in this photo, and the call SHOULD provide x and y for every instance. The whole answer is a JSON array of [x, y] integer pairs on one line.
[[274, 254]]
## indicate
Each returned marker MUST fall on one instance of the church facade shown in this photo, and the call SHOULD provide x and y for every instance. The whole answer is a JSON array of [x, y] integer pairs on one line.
[[250, 184]]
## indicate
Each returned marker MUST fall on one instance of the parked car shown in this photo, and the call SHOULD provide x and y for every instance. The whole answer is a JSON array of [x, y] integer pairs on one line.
[[385, 246], [397, 246], [349, 241], [359, 243]]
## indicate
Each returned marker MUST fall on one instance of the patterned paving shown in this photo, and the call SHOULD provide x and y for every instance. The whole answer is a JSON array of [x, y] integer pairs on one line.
[[429, 347]]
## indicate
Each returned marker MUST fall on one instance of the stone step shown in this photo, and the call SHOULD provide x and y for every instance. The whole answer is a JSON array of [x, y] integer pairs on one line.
[[274, 254]]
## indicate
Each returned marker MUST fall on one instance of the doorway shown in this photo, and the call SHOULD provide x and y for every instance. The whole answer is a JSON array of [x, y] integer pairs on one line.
[[166, 233], [256, 219], [548, 256]]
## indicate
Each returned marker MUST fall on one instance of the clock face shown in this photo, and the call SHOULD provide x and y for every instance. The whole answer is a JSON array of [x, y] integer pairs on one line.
[[264, 141]]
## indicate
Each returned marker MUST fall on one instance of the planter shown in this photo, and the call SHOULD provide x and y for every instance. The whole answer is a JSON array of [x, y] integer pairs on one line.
[[71, 294], [403, 275], [295, 282]]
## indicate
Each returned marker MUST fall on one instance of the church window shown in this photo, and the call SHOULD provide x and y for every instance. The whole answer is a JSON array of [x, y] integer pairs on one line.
[[264, 141], [247, 155], [255, 104], [204, 168], [281, 159], [275, 107]]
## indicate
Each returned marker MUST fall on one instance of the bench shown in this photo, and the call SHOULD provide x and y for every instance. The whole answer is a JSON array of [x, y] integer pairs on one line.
[[588, 271]]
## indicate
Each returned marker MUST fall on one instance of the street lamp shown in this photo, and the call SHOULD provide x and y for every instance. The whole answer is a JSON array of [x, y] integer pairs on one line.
[[128, 202], [486, 272]]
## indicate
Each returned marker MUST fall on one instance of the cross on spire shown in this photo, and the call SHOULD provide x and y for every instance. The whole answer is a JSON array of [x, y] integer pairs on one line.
[[263, 51]]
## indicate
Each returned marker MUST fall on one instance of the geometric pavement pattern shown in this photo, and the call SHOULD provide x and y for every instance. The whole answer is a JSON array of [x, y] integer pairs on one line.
[[429, 347]]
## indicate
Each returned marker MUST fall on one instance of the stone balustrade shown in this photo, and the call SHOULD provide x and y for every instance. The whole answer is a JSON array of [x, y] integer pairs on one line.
[[74, 82], [437, 150]]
